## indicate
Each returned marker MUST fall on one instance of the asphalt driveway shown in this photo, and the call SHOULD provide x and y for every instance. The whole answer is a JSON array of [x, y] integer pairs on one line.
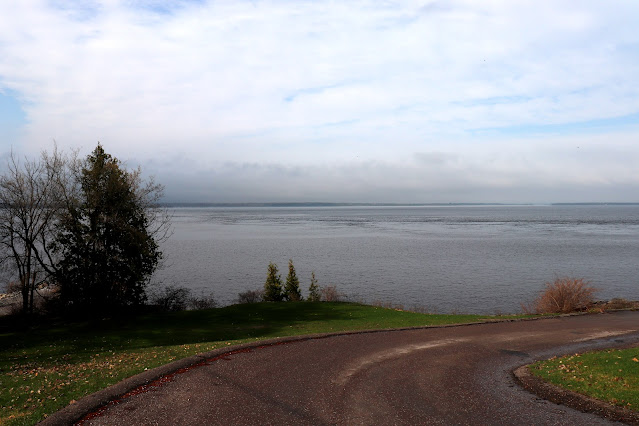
[[450, 375]]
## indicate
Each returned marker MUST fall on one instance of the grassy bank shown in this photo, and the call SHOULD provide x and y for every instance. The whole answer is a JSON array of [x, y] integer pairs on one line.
[[48, 366], [609, 375]]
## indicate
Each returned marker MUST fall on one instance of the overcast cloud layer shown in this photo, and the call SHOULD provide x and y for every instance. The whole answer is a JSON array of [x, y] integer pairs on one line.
[[363, 101]]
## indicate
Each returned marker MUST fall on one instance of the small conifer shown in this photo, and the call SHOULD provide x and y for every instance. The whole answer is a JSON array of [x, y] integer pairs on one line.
[[313, 290], [273, 285], [292, 289]]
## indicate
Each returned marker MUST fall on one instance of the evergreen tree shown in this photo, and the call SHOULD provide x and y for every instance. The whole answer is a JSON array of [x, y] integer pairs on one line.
[[313, 290], [292, 289], [273, 285], [106, 246]]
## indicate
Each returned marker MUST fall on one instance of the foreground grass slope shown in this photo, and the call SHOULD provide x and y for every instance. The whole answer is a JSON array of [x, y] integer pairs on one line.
[[51, 365], [610, 375]]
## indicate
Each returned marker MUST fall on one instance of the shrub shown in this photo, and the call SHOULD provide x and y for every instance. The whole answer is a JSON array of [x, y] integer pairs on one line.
[[564, 295], [171, 298], [292, 289], [616, 303], [314, 290], [203, 301], [250, 296], [13, 287], [330, 294], [273, 285]]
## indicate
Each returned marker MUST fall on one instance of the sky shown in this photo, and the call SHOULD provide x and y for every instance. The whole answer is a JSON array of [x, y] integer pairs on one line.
[[334, 101]]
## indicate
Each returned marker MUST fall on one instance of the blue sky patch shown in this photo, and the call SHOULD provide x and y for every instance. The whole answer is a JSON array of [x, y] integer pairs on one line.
[[12, 118], [590, 126], [309, 91], [163, 7], [79, 10], [496, 100]]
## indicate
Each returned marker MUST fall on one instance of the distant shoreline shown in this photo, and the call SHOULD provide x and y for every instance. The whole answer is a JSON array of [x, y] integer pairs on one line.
[[326, 204]]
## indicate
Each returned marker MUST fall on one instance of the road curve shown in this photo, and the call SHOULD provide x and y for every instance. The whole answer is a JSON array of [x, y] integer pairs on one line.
[[453, 375]]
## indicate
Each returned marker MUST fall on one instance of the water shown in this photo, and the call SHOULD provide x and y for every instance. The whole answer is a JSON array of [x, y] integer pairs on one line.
[[472, 259]]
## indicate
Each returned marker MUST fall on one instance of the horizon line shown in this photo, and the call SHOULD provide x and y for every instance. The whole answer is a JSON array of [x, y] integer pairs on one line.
[[381, 204]]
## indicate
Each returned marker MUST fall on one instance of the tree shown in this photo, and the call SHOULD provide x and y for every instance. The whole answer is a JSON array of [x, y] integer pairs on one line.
[[292, 288], [273, 285], [29, 199], [107, 236], [313, 290]]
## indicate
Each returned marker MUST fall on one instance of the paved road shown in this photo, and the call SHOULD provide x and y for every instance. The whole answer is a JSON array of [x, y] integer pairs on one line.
[[458, 375]]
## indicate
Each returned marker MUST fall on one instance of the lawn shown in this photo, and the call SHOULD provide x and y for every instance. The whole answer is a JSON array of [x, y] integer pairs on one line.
[[49, 365], [610, 375]]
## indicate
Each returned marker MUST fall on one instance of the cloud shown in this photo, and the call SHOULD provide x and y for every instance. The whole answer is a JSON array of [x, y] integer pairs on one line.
[[557, 170], [350, 91]]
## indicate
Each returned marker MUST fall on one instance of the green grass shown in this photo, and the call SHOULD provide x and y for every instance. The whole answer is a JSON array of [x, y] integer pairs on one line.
[[50, 365], [610, 375]]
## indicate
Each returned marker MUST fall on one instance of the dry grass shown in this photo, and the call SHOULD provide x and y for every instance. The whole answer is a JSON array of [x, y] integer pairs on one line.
[[618, 303], [562, 296]]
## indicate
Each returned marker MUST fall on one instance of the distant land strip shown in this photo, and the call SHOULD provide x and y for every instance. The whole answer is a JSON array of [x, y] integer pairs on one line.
[[325, 204]]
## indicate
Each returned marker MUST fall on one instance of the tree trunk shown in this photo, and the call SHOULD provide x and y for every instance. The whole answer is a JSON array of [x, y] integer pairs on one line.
[[31, 292], [25, 298]]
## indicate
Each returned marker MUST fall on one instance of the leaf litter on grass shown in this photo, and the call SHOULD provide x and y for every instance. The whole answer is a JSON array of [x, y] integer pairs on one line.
[[610, 375]]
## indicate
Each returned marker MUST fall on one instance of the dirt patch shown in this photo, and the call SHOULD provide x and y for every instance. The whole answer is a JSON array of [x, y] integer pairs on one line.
[[574, 400]]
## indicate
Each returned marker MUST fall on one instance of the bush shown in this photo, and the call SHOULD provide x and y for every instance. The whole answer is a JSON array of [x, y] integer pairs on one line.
[[171, 298], [564, 295], [250, 296], [13, 287], [618, 303], [314, 290], [615, 304], [273, 285], [203, 301], [292, 288], [330, 294]]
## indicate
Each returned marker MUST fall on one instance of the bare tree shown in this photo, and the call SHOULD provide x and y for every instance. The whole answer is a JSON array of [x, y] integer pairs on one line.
[[148, 194], [29, 204]]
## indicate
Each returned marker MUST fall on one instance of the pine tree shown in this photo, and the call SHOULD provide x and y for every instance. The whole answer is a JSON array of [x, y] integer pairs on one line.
[[273, 285], [292, 289], [313, 290], [107, 248]]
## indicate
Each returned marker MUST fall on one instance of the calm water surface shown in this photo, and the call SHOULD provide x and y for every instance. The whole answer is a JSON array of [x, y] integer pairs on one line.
[[475, 259]]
